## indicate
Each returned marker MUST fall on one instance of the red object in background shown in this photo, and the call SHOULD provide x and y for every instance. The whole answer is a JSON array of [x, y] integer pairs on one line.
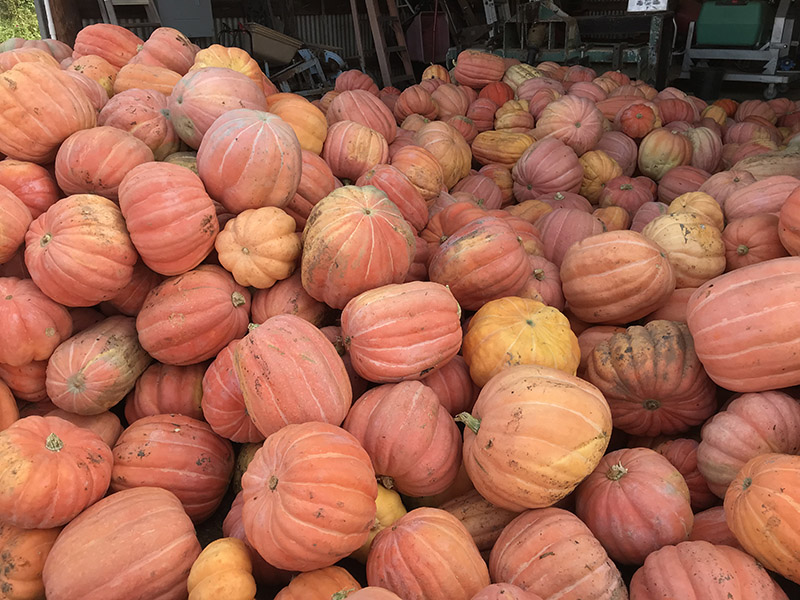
[[428, 37], [688, 11]]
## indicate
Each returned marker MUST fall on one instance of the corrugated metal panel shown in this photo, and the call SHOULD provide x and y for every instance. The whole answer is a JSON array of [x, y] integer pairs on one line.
[[336, 30]]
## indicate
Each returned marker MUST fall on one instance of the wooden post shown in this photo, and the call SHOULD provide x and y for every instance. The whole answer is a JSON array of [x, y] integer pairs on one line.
[[359, 42], [66, 19]]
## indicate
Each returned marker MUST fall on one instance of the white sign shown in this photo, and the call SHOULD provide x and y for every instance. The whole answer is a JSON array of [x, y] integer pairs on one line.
[[647, 5]]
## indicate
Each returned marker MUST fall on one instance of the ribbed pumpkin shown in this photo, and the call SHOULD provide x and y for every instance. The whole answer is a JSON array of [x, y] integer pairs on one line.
[[500, 147], [201, 96], [288, 297], [177, 453], [453, 386], [661, 150], [165, 389], [235, 59], [498, 92], [168, 48], [259, 247], [574, 121], [481, 261], [237, 160], [761, 511], [630, 277], [320, 584], [146, 77], [400, 190], [646, 213], [701, 204], [484, 188], [270, 363], [730, 335], [79, 252], [364, 225], [352, 148], [767, 195], [629, 193], [213, 310], [40, 107], [483, 520], [571, 563], [547, 166], [680, 180], [401, 331], [316, 182], [448, 147], [751, 240], [224, 569], [516, 75], [638, 119], [433, 71], [652, 379], [24, 553], [415, 100], [621, 148], [451, 100], [682, 453], [699, 570], [289, 530], [751, 425], [598, 169], [505, 591], [97, 69], [142, 536], [428, 554], [129, 300], [115, 44], [512, 331], [706, 148], [413, 442], [355, 80], [26, 382], [40, 451], [9, 413], [364, 108], [422, 169], [635, 502], [710, 526], [481, 113], [144, 114], [16, 220], [519, 403], [477, 69], [304, 118], [788, 224], [29, 182]]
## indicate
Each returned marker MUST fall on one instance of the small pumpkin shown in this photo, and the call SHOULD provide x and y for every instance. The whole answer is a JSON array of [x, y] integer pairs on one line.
[[304, 118], [24, 553], [223, 568]]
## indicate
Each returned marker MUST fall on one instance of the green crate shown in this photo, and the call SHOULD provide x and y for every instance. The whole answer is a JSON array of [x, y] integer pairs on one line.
[[734, 24]]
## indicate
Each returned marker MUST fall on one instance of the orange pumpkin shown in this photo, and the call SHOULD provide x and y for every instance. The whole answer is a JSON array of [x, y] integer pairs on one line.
[[598, 169], [97, 69], [477, 69], [547, 166], [115, 44], [143, 114], [24, 554], [233, 58], [422, 168], [15, 223], [400, 190], [364, 108], [661, 150], [435, 72], [574, 121], [146, 77], [166, 389], [503, 148], [167, 48], [316, 182], [355, 80], [352, 148], [321, 584], [415, 100], [448, 147], [26, 382], [304, 118]]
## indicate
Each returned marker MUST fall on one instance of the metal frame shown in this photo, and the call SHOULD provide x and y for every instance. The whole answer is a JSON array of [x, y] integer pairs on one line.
[[777, 47]]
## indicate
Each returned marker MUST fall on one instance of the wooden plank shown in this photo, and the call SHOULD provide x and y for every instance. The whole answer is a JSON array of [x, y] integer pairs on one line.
[[380, 43], [400, 36], [66, 20], [357, 27]]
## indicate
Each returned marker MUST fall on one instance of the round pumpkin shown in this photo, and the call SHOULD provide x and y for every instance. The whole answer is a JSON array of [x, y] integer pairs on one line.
[[710, 526], [661, 150], [168, 48], [573, 120], [16, 220], [635, 502], [547, 166], [144, 114], [26, 382], [234, 59], [752, 240], [291, 530], [365, 108], [427, 553], [213, 311], [598, 169], [746, 344], [141, 535], [352, 148], [177, 453], [415, 100], [520, 403], [355, 80], [484, 521], [682, 453], [43, 451], [448, 147], [400, 190], [621, 148], [288, 297], [31, 183], [165, 389], [512, 331], [422, 169], [79, 252], [304, 118], [24, 553], [97, 69], [222, 569], [360, 223], [477, 69], [638, 119], [321, 584], [114, 43], [316, 182], [389, 509]]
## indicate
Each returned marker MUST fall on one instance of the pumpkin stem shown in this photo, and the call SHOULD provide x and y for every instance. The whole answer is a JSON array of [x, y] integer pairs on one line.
[[386, 481], [237, 299], [747, 482], [252, 326], [651, 404], [616, 472], [467, 419], [53, 443], [742, 250], [45, 239], [558, 196], [538, 274], [341, 595], [272, 483]]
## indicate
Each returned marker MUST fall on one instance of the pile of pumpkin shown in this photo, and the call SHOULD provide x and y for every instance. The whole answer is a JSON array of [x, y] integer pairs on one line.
[[419, 363]]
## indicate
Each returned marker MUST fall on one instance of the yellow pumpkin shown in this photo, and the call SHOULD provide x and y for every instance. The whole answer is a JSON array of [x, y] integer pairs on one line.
[[518, 331], [702, 204], [390, 508], [228, 58], [517, 74], [259, 246], [223, 570], [598, 169], [615, 218], [500, 147], [694, 248], [307, 121], [514, 116], [715, 113]]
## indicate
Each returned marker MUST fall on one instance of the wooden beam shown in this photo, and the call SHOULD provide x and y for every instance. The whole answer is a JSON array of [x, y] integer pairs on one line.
[[66, 20]]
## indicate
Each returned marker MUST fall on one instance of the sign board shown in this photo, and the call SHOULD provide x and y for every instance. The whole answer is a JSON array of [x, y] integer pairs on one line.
[[647, 5]]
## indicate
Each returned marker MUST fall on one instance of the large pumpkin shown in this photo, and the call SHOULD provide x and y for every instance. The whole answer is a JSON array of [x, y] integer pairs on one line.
[[449, 148], [177, 453], [400, 190], [146, 77], [521, 403], [201, 96], [500, 147], [41, 451], [365, 108], [250, 159], [16, 220], [352, 148], [24, 553], [272, 363], [320, 584], [547, 166], [316, 182], [751, 425], [31, 183], [189, 318], [115, 44], [309, 497], [767, 195], [518, 331], [35, 323], [702, 571], [761, 511], [477, 69], [362, 224], [427, 554], [414, 444], [635, 502], [304, 118], [97, 69], [79, 252], [40, 107], [401, 331], [575, 121], [616, 277], [167, 48], [744, 326], [568, 561], [652, 379], [661, 150], [422, 168], [144, 114], [94, 370], [141, 535]]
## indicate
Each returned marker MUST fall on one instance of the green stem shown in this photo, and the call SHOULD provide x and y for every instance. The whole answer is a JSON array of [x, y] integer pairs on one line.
[[467, 419], [53, 443]]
